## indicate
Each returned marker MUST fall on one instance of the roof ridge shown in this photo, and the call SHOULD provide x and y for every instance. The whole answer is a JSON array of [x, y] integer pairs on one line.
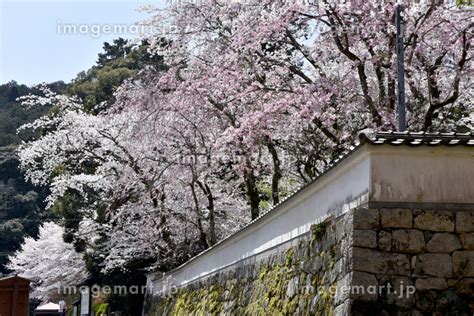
[[416, 138]]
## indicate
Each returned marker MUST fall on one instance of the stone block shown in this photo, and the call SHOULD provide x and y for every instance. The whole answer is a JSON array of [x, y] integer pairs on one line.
[[437, 221], [385, 240], [396, 218], [463, 263], [401, 293], [467, 241], [343, 289], [314, 303], [344, 247], [379, 262], [343, 309], [292, 287], [364, 238], [465, 221], [344, 226], [364, 287], [425, 284], [433, 264], [337, 270], [428, 235], [364, 218], [408, 240], [426, 302], [443, 242], [465, 287]]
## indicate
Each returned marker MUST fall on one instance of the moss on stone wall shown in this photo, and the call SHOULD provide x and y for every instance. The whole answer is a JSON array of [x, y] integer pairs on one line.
[[299, 280], [318, 231], [428, 250]]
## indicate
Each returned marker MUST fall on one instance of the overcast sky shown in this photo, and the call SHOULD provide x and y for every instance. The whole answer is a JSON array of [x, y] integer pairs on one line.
[[35, 43]]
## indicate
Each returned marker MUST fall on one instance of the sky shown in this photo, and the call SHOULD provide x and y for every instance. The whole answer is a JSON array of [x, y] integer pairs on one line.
[[36, 44]]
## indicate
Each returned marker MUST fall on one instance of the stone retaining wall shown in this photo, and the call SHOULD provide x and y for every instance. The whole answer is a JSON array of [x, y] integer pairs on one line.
[[381, 261], [432, 250], [301, 279]]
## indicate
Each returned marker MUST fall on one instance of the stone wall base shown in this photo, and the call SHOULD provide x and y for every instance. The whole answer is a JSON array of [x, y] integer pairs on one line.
[[386, 261]]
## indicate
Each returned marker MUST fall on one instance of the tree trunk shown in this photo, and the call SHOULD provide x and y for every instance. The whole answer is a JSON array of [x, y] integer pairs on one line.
[[212, 216], [277, 174], [252, 191], [202, 234]]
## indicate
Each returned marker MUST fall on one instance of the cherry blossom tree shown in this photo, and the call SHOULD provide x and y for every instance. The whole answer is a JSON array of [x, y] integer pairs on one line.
[[258, 98], [299, 80], [49, 262], [149, 199]]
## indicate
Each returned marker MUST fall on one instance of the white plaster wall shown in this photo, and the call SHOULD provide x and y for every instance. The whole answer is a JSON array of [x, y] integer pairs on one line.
[[342, 188], [423, 174]]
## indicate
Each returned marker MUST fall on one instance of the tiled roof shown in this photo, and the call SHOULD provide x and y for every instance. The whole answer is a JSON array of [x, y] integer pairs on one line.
[[417, 138]]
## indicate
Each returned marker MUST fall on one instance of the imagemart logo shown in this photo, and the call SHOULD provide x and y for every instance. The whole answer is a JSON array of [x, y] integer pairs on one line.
[[97, 30], [170, 289]]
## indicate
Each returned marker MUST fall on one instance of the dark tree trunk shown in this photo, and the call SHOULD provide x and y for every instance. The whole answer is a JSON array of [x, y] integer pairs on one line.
[[277, 174], [252, 192]]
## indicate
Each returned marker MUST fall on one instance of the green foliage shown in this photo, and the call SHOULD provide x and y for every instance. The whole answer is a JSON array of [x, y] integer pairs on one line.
[[21, 204], [100, 309], [99, 84], [265, 190], [318, 231], [118, 63], [21, 207], [13, 114], [289, 257], [266, 195], [464, 2]]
